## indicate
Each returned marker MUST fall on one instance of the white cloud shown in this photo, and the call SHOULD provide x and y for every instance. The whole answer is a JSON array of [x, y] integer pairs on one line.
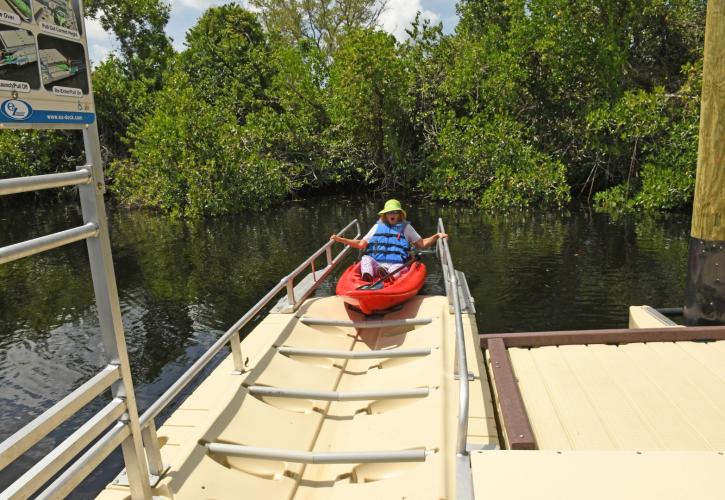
[[200, 5], [398, 15], [100, 42]]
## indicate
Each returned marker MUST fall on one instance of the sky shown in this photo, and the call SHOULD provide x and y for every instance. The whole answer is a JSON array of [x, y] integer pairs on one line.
[[184, 14]]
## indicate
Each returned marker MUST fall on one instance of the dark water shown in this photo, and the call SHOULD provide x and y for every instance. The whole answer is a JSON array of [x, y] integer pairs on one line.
[[182, 284]]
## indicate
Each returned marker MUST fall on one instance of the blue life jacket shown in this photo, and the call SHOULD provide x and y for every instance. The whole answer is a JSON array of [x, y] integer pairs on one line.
[[389, 243]]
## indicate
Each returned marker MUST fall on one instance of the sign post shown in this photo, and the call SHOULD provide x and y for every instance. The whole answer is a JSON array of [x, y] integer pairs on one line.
[[45, 84], [705, 288]]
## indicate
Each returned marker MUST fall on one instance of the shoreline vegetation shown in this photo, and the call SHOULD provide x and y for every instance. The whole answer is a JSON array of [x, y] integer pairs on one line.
[[528, 104]]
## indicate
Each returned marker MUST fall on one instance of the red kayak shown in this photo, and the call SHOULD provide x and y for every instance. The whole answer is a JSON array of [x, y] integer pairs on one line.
[[395, 290]]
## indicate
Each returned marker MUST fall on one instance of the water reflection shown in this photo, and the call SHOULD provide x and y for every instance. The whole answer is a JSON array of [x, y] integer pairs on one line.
[[181, 284]]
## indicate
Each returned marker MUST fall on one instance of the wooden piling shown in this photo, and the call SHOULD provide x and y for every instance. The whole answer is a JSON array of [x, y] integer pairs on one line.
[[705, 289]]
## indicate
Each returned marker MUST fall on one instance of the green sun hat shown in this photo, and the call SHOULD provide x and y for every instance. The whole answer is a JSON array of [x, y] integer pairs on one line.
[[393, 206]]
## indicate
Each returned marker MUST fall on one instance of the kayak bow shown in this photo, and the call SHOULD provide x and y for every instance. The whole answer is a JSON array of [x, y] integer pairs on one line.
[[395, 290]]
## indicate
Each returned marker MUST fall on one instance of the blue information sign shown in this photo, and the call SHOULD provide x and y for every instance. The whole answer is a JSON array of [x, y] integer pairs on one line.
[[19, 111]]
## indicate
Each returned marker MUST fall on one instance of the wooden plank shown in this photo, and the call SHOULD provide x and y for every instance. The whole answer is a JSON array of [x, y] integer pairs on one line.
[[610, 336], [513, 412], [708, 207]]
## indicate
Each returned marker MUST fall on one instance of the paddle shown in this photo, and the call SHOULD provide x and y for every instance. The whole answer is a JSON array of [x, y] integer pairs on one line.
[[378, 284]]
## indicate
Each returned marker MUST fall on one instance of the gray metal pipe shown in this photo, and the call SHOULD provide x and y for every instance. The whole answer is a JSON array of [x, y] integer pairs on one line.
[[44, 243], [79, 470], [38, 428], [383, 353], [670, 311], [384, 323], [279, 392], [309, 457], [461, 361], [43, 470], [48, 181]]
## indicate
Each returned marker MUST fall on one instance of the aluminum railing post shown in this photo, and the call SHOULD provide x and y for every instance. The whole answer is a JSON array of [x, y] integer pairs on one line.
[[109, 312], [328, 254], [236, 347], [153, 451], [291, 292]]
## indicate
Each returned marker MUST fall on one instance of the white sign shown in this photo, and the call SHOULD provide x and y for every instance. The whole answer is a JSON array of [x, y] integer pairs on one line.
[[14, 86], [59, 30], [9, 17], [67, 91]]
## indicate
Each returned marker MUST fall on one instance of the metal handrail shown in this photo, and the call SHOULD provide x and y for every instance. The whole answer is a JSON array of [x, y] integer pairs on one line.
[[173, 391], [461, 363], [81, 468], [46, 468], [316, 457], [30, 434], [115, 376], [46, 181], [44, 243], [283, 392]]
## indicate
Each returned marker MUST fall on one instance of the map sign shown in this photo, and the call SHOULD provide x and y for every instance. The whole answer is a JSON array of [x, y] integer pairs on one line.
[[44, 70], [15, 11], [18, 60]]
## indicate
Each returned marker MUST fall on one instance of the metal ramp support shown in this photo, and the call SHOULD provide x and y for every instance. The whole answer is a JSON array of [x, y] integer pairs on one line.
[[387, 323], [377, 354], [281, 392], [311, 457]]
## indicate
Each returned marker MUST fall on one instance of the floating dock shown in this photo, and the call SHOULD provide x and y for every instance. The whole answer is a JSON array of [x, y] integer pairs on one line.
[[331, 405]]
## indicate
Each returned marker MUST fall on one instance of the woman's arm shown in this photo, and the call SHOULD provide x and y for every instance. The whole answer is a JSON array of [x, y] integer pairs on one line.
[[426, 242], [359, 244]]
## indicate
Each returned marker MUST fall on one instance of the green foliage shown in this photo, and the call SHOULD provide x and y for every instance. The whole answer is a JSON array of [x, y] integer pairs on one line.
[[38, 152], [527, 104], [119, 101], [227, 60], [139, 28], [320, 22], [615, 199], [370, 132], [657, 130], [31, 152], [189, 158], [292, 130], [487, 162]]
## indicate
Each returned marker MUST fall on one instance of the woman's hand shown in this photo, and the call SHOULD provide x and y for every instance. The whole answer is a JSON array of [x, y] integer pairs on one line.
[[441, 235], [334, 238]]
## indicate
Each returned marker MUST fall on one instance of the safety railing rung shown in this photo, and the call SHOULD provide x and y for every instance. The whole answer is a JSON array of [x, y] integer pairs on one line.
[[382, 353], [280, 392], [47, 181], [461, 362], [381, 323], [44, 243], [43, 470], [21, 441], [311, 457], [84, 465]]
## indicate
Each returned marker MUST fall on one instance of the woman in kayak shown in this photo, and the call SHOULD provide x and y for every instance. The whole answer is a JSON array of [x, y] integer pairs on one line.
[[388, 242]]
